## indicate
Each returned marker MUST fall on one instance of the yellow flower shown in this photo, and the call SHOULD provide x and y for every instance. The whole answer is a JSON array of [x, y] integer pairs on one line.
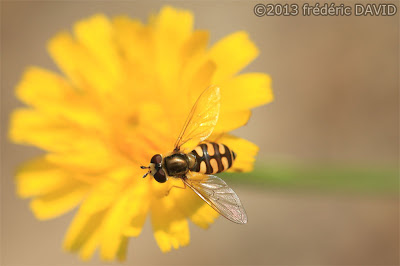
[[126, 91]]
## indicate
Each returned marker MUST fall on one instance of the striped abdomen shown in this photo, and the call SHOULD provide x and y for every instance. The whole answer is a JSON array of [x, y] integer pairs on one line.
[[212, 158]]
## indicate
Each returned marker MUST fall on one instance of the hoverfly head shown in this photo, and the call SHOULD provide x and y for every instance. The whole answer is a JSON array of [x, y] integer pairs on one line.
[[156, 169]]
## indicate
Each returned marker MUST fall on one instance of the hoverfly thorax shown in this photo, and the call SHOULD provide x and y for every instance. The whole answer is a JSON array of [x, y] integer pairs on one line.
[[156, 169], [177, 164]]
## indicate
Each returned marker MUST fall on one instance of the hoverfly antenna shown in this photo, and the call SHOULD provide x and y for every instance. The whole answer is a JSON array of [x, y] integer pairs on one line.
[[145, 167]]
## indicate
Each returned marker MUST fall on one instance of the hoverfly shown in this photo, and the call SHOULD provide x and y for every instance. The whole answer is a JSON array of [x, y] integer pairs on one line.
[[195, 168]]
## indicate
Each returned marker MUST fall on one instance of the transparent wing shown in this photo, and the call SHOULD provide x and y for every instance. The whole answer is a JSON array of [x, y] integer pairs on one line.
[[218, 195], [201, 120]]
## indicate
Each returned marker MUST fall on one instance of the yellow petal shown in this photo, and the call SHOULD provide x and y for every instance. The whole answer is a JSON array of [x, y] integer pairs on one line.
[[204, 216], [136, 225], [114, 223], [89, 247], [137, 208], [96, 34], [112, 230], [138, 51], [42, 88], [196, 45], [131, 204], [89, 156], [103, 194], [197, 70], [170, 227], [240, 94], [230, 120], [199, 212], [39, 177], [172, 28], [195, 79], [81, 68], [83, 233], [121, 254], [132, 36], [244, 149], [109, 212], [198, 81], [177, 24], [71, 147], [176, 234], [54, 96], [28, 126], [246, 91], [108, 188], [94, 159], [59, 201], [231, 54]]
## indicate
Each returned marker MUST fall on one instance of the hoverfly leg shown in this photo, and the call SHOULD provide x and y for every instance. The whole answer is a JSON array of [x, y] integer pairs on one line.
[[184, 186]]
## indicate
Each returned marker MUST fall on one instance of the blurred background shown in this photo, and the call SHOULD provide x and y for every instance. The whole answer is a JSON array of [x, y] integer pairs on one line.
[[325, 187]]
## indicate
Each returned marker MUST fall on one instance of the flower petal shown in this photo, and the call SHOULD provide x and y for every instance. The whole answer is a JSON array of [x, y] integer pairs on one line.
[[60, 201], [204, 216], [130, 205], [174, 25], [28, 126], [135, 41], [121, 253], [196, 45], [198, 70], [114, 223], [170, 227], [41, 88], [114, 203], [53, 95], [246, 91], [111, 234], [80, 67], [40, 177], [83, 233], [199, 80], [230, 120], [137, 209], [106, 190], [87, 156], [193, 207], [231, 54], [136, 45], [96, 34], [71, 147], [172, 28]]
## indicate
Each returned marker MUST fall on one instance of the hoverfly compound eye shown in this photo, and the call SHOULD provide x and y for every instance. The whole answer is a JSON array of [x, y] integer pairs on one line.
[[156, 159], [160, 176]]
